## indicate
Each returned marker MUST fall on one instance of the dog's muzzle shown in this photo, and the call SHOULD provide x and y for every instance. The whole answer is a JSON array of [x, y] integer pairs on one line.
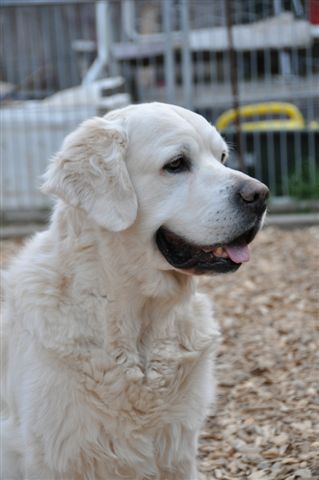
[[250, 202], [205, 259]]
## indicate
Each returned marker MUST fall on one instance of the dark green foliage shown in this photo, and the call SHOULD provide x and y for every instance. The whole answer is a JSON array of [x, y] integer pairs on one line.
[[304, 185]]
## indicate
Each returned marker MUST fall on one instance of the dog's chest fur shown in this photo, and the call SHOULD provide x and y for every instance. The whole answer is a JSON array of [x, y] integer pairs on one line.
[[146, 373], [153, 392]]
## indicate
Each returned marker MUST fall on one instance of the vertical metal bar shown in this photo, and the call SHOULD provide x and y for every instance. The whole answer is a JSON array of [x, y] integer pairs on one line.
[[104, 37], [169, 51], [102, 29], [49, 135], [22, 147], [284, 58], [9, 175], [256, 135], [240, 78], [59, 61], [152, 66], [128, 17], [46, 28], [225, 71], [270, 161], [112, 63], [298, 134], [83, 34], [140, 80], [60, 46], [234, 80], [213, 64], [285, 70], [33, 46], [201, 78], [72, 14], [270, 148], [284, 164], [310, 116], [187, 70]]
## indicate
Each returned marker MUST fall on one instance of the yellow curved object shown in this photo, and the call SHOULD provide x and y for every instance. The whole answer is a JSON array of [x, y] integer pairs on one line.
[[295, 119]]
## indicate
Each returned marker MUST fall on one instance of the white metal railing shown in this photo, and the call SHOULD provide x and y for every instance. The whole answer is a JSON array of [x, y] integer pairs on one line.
[[57, 55]]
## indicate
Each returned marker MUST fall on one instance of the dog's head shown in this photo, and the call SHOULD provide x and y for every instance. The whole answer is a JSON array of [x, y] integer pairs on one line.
[[158, 171]]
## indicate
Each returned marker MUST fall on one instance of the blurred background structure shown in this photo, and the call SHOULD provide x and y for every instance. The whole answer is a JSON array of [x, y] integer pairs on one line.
[[250, 67]]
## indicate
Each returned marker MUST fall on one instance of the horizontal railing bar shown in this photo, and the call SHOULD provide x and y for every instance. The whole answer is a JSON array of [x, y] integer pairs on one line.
[[30, 3]]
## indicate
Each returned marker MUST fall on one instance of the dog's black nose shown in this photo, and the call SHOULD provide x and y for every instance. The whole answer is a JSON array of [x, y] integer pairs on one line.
[[253, 195]]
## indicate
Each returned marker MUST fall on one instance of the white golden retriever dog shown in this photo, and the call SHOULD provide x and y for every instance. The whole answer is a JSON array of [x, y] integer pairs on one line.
[[108, 349]]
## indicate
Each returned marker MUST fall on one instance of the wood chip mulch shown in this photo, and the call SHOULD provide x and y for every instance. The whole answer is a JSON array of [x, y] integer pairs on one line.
[[266, 422], [265, 425]]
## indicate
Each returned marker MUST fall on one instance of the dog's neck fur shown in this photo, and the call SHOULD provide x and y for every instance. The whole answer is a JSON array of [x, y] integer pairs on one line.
[[113, 251], [149, 294]]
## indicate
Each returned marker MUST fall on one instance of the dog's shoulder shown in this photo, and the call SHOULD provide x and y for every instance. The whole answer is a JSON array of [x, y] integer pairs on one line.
[[45, 300]]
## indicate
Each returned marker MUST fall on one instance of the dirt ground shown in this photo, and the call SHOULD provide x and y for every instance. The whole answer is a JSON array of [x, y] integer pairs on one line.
[[265, 425]]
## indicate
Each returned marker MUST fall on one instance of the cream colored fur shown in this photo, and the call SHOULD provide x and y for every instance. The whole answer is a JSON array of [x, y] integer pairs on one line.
[[108, 351]]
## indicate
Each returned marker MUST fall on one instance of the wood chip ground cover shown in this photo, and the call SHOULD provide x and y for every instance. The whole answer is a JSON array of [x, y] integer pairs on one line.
[[265, 425]]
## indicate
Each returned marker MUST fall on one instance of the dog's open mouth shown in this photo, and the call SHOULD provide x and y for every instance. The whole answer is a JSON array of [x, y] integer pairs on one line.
[[204, 259]]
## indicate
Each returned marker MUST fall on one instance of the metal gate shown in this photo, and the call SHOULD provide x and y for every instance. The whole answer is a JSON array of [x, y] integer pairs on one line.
[[63, 61]]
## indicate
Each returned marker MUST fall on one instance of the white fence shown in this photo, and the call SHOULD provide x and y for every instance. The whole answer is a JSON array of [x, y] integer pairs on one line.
[[206, 55]]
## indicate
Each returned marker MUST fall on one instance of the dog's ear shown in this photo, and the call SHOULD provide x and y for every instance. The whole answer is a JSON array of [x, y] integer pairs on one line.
[[90, 172]]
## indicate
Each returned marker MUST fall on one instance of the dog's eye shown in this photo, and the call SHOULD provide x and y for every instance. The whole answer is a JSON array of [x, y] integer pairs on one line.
[[180, 164], [223, 158]]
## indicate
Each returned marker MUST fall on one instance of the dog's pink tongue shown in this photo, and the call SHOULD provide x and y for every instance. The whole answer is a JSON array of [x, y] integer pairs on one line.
[[238, 253]]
